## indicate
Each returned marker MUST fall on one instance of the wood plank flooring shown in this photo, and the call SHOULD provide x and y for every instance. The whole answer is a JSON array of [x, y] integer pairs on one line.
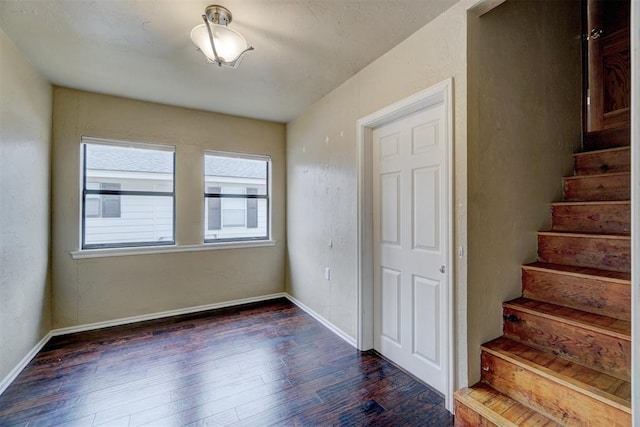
[[259, 364]]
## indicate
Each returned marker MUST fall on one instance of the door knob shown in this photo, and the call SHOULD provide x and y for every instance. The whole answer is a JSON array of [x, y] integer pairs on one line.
[[442, 269]]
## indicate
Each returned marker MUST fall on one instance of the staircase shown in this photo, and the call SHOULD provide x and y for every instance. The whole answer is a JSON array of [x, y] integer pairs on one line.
[[565, 354]]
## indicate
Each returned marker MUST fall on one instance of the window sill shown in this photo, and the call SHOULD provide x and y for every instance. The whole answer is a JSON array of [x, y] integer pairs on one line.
[[149, 250]]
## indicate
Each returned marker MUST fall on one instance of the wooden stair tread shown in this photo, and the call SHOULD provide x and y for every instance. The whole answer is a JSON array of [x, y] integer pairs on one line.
[[585, 235], [597, 175], [592, 203], [585, 272], [602, 151], [620, 329], [600, 386], [500, 409]]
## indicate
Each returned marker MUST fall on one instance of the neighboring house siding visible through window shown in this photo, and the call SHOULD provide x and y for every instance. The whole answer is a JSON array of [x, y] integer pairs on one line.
[[236, 197], [128, 194], [234, 210]]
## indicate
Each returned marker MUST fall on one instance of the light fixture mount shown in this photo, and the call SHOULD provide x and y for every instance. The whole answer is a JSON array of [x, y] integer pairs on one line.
[[219, 44], [217, 14]]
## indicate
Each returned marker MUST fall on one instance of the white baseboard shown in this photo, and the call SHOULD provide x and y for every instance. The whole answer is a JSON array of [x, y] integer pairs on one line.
[[152, 316], [162, 314], [6, 382], [333, 328]]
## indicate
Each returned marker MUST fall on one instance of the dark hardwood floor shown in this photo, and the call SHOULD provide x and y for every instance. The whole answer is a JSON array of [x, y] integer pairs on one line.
[[259, 364]]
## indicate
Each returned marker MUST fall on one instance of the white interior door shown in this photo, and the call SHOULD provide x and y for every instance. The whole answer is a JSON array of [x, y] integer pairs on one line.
[[410, 243]]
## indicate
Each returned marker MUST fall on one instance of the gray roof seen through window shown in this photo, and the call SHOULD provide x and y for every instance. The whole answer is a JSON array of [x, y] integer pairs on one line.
[[115, 158]]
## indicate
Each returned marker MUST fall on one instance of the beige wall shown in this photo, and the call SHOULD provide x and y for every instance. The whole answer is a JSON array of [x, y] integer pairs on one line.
[[524, 124], [322, 169], [101, 289], [25, 145]]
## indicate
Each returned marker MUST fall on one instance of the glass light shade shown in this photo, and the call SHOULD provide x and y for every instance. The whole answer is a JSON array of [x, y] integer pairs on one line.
[[229, 43]]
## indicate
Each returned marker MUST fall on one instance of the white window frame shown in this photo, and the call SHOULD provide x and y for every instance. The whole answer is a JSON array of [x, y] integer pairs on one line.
[[246, 196], [84, 192]]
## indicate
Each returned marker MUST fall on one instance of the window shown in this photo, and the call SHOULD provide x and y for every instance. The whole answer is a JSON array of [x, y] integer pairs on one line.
[[128, 194], [236, 197]]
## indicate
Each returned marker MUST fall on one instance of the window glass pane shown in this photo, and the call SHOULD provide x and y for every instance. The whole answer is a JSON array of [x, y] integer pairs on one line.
[[132, 168], [240, 188], [235, 174], [240, 210], [214, 210], [110, 202], [110, 206], [115, 218], [143, 219], [92, 207], [233, 217], [252, 209], [260, 231], [110, 186], [233, 210]]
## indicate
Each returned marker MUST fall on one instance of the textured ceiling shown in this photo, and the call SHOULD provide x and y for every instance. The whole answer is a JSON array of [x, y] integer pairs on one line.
[[141, 48]]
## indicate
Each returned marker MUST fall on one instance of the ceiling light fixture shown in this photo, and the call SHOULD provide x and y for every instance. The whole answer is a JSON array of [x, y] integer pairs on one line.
[[217, 42]]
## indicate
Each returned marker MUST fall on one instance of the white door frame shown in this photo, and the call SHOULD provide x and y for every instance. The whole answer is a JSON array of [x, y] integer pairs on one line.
[[635, 209], [439, 93]]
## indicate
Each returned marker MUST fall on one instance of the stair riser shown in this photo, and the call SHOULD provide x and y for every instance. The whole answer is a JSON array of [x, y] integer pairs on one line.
[[604, 253], [600, 187], [609, 138], [485, 406], [552, 399], [594, 295], [603, 162], [604, 219], [604, 353], [467, 417]]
